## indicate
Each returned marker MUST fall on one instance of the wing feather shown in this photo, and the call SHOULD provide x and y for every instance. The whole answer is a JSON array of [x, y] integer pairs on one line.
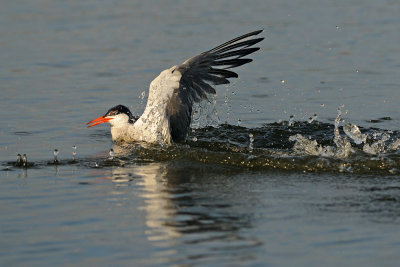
[[198, 75]]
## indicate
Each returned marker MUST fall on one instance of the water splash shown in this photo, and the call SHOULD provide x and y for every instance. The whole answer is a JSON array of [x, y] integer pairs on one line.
[[55, 153], [74, 148], [313, 118], [111, 153], [374, 143], [19, 160], [251, 141], [303, 146], [24, 160], [317, 147], [205, 114], [311, 147], [141, 97], [291, 120], [395, 145], [379, 146], [352, 131], [308, 146]]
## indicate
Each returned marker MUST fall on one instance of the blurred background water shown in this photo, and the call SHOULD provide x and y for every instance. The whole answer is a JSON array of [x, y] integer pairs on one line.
[[63, 63]]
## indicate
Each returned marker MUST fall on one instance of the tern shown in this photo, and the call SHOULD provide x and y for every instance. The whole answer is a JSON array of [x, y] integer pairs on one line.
[[172, 94]]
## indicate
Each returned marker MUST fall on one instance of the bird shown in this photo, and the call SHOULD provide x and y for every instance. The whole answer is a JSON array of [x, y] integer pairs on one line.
[[167, 116]]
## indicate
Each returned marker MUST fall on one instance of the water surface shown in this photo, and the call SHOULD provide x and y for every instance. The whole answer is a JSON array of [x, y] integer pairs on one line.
[[279, 177]]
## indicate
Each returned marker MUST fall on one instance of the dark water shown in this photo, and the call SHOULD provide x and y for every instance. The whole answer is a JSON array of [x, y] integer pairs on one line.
[[300, 165]]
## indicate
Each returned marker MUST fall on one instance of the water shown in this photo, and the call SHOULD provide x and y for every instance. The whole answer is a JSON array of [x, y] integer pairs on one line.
[[280, 177]]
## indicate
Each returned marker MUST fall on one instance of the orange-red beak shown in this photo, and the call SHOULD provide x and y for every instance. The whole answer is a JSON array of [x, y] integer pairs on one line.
[[99, 120]]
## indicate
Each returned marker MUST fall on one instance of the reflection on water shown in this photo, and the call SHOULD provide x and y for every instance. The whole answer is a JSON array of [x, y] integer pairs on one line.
[[127, 210], [199, 214], [188, 214]]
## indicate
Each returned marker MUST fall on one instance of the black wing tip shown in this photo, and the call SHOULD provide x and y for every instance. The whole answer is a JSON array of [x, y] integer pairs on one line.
[[253, 33], [255, 41], [237, 40], [257, 32]]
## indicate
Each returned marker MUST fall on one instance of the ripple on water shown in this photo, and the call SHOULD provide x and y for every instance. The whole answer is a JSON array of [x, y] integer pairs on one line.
[[23, 133]]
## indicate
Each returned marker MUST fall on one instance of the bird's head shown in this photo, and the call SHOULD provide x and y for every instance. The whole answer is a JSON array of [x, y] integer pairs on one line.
[[115, 116]]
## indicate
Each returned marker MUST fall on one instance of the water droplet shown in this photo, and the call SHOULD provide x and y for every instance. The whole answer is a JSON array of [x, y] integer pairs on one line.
[[354, 133], [55, 153], [74, 152], [24, 160], [251, 140], [19, 160], [291, 120], [313, 118]]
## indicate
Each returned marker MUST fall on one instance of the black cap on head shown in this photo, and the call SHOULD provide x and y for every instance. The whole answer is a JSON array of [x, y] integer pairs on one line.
[[118, 110], [121, 109]]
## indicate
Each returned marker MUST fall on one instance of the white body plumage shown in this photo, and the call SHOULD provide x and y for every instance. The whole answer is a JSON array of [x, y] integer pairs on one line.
[[168, 112]]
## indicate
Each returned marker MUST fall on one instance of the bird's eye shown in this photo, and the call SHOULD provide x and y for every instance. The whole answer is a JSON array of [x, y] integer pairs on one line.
[[112, 113]]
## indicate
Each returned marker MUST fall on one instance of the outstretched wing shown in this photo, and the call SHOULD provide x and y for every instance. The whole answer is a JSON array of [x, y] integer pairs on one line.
[[194, 79]]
